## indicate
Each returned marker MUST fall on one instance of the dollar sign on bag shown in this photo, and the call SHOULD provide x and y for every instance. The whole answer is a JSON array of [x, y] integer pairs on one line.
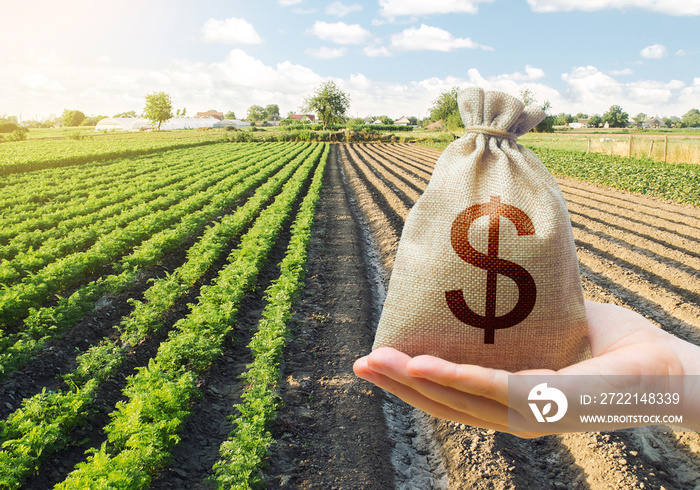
[[527, 291]]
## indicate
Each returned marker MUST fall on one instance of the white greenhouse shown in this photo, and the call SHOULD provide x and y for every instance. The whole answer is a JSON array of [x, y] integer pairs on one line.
[[231, 122], [142, 124]]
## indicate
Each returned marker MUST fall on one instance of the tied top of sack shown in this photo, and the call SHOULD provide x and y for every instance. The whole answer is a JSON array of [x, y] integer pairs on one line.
[[486, 270], [496, 113]]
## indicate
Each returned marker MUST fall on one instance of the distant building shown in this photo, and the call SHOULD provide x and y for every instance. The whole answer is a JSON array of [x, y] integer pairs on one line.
[[653, 123], [304, 118], [215, 115], [402, 121]]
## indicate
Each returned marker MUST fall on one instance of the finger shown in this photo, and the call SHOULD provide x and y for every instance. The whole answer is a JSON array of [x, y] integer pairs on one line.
[[466, 378], [394, 364], [415, 398]]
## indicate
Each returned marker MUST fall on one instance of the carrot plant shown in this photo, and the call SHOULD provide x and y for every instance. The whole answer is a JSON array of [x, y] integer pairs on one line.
[[144, 428], [245, 450]]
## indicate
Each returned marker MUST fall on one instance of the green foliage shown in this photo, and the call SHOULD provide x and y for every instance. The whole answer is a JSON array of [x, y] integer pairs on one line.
[[72, 118], [126, 114], [616, 117], [19, 134], [255, 113], [158, 109], [244, 453], [564, 119], [445, 106], [691, 119], [595, 121], [329, 102], [678, 182], [8, 127]]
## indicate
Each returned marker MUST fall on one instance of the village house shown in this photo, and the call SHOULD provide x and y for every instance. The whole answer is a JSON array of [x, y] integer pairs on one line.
[[304, 118], [215, 115]]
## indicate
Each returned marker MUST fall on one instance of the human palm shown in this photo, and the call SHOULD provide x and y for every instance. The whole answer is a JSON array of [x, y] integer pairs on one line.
[[622, 343]]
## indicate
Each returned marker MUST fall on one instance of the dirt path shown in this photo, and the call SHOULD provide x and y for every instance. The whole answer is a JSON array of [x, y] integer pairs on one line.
[[639, 252]]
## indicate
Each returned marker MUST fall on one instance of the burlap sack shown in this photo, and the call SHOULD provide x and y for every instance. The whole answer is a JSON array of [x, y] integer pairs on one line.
[[486, 270]]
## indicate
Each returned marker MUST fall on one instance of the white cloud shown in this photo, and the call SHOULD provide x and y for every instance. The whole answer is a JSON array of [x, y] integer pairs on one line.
[[589, 90], [623, 72], [530, 74], [230, 31], [286, 3], [339, 9], [397, 8], [429, 38], [339, 32], [651, 92], [376, 51], [654, 52], [326, 53], [669, 7]]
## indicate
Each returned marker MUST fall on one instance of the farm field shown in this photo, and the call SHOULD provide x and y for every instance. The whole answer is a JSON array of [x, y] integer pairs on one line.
[[670, 146], [145, 301]]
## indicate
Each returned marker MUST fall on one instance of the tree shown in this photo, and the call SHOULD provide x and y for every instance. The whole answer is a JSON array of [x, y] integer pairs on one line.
[[72, 118], [255, 113], [386, 120], [445, 105], [691, 119], [270, 111], [672, 121], [230, 115], [329, 102], [581, 115], [547, 124], [595, 121], [126, 114], [640, 118], [616, 117], [413, 120], [564, 119], [159, 108]]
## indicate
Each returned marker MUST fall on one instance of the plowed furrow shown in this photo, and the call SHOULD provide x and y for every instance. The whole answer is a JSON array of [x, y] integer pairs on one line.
[[374, 212], [641, 207], [668, 233], [396, 165], [646, 266], [383, 182], [419, 151], [422, 170], [400, 181], [669, 246], [642, 255]]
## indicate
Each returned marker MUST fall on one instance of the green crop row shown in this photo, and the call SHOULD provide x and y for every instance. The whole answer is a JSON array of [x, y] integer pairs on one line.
[[27, 436], [45, 323], [69, 270], [34, 155], [61, 241], [243, 454], [145, 427], [68, 210], [678, 182]]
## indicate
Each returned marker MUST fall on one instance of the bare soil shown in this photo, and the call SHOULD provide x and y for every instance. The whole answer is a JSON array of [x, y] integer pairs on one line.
[[337, 431], [635, 251]]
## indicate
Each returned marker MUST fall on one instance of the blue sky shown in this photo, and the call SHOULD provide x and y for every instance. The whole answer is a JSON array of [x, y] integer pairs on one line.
[[393, 57]]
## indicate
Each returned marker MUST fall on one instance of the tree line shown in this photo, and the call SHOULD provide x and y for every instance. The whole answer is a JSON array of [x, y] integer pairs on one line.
[[445, 109]]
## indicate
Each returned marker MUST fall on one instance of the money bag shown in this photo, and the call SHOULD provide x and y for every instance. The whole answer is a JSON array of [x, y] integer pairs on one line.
[[486, 271]]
